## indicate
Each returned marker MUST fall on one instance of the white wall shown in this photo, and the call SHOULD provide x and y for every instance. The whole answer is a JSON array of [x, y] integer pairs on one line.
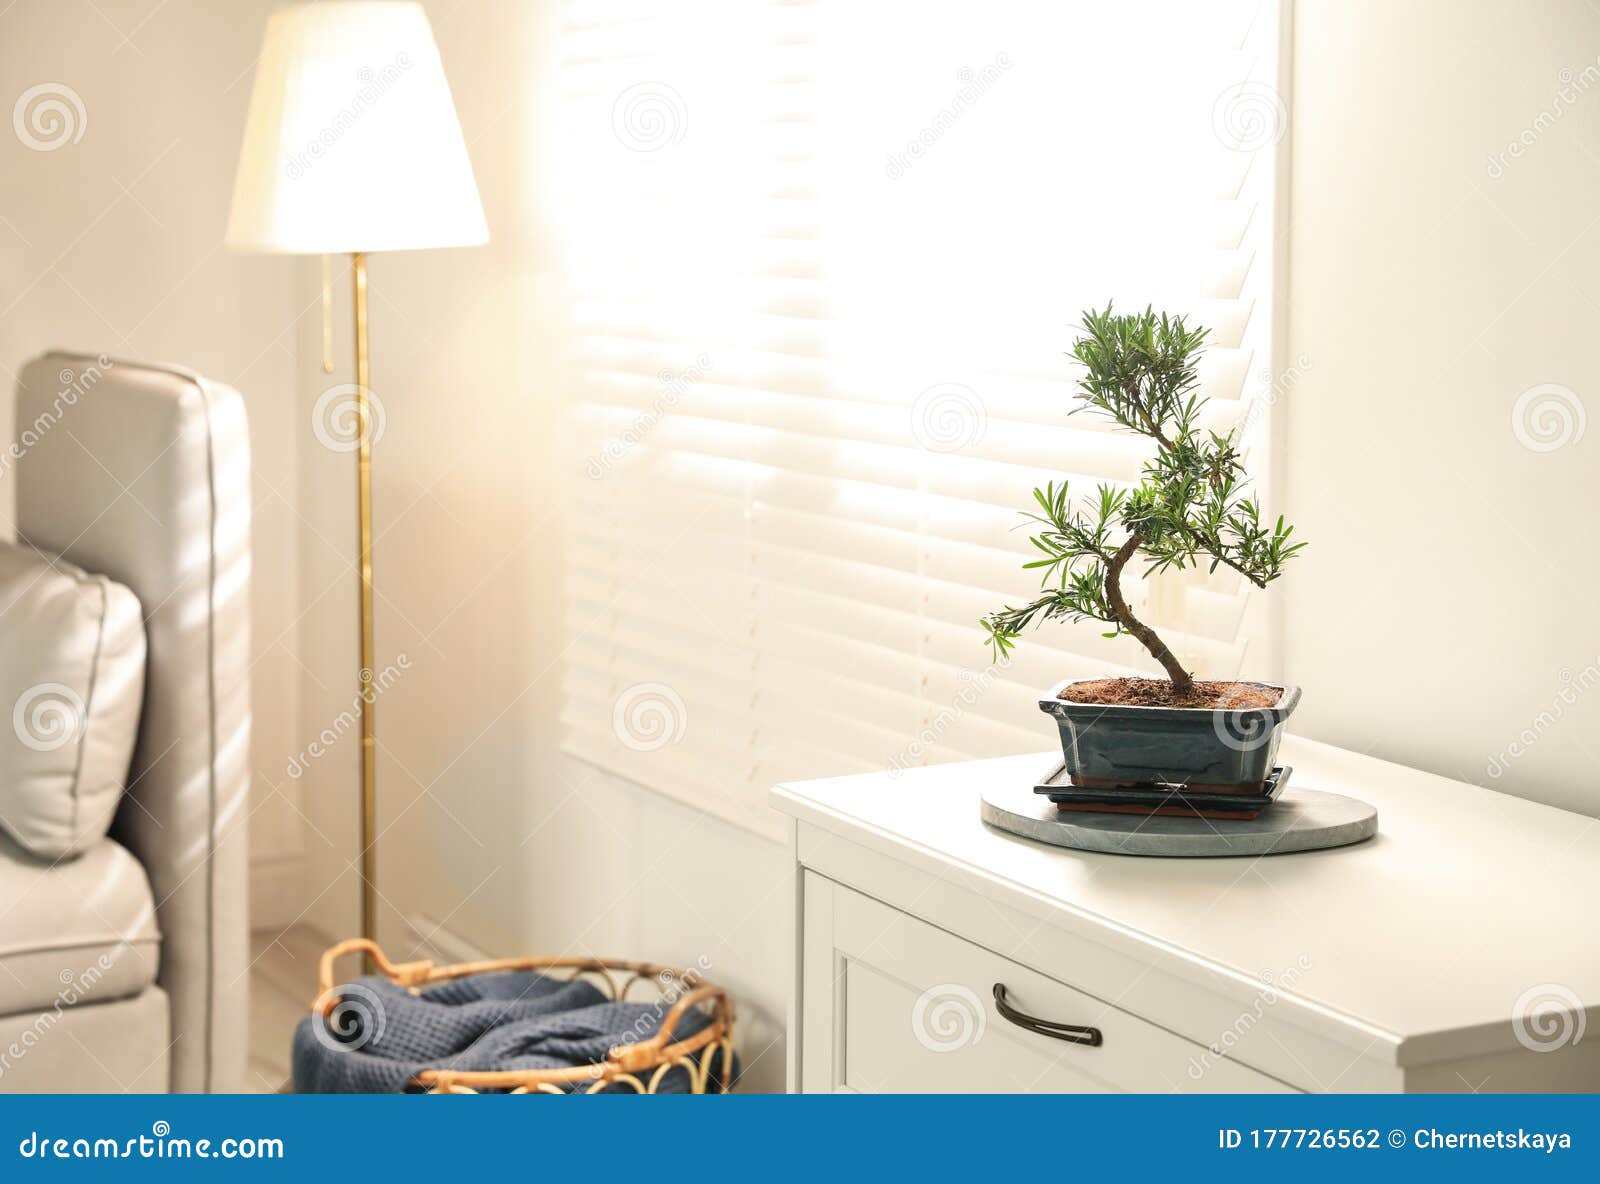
[[112, 242], [1446, 604]]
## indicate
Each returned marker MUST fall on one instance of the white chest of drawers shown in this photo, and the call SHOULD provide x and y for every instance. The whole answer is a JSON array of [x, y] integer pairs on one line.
[[1458, 950]]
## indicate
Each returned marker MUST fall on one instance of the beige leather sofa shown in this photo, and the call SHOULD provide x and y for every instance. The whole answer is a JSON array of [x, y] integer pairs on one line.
[[125, 967]]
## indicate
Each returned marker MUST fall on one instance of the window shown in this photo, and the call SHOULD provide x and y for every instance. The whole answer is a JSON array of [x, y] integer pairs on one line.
[[823, 262]]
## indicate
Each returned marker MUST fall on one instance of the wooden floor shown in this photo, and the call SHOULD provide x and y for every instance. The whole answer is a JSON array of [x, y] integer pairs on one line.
[[283, 980]]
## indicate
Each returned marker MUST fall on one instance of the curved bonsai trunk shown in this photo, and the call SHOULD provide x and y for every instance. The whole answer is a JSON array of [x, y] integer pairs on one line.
[[1182, 680]]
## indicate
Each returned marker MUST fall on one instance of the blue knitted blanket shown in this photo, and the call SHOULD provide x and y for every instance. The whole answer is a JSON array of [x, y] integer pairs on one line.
[[381, 1035]]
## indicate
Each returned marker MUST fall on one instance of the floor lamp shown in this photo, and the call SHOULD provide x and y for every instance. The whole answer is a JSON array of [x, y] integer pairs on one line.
[[352, 146]]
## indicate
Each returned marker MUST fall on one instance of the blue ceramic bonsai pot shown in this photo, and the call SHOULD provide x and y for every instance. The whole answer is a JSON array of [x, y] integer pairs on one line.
[[1110, 745]]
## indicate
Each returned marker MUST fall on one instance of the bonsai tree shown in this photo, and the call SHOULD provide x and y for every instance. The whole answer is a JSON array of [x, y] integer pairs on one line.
[[1188, 508]]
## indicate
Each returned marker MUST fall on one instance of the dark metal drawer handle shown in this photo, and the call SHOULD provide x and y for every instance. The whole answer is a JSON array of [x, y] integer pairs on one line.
[[1071, 1033]]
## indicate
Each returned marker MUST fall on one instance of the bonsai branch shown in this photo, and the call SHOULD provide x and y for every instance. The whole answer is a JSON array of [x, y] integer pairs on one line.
[[1182, 680], [1217, 551]]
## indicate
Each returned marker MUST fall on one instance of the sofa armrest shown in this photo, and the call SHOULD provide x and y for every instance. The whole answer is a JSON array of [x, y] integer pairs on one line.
[[143, 473]]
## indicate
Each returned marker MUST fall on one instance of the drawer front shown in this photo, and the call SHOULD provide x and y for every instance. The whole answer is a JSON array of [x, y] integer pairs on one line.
[[893, 1004]]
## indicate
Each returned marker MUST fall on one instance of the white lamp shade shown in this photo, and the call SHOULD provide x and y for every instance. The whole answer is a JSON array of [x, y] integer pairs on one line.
[[352, 141]]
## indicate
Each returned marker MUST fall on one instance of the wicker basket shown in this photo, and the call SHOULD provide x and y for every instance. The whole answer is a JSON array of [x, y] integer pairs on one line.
[[640, 1066]]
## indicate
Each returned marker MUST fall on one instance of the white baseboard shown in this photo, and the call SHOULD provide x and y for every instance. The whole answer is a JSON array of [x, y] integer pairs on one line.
[[429, 939], [277, 889]]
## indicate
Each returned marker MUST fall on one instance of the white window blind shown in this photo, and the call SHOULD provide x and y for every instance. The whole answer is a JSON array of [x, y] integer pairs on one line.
[[822, 263]]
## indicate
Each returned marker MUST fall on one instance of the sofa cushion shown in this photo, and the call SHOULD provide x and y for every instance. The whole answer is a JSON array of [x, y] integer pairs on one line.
[[72, 654], [74, 930], [130, 1039]]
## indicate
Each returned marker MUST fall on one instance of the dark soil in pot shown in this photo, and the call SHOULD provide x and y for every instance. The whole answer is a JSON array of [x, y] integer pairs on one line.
[[1157, 692]]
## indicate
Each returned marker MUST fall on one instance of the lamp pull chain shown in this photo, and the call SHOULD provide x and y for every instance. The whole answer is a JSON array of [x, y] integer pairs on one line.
[[327, 315]]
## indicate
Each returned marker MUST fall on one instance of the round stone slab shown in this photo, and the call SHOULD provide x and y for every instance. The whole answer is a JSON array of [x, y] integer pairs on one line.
[[1300, 820]]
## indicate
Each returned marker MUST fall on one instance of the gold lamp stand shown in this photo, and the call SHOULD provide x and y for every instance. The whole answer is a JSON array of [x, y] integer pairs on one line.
[[369, 739]]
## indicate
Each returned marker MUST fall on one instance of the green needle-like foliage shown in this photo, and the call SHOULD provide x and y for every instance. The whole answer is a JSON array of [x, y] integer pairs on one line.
[[1190, 506]]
